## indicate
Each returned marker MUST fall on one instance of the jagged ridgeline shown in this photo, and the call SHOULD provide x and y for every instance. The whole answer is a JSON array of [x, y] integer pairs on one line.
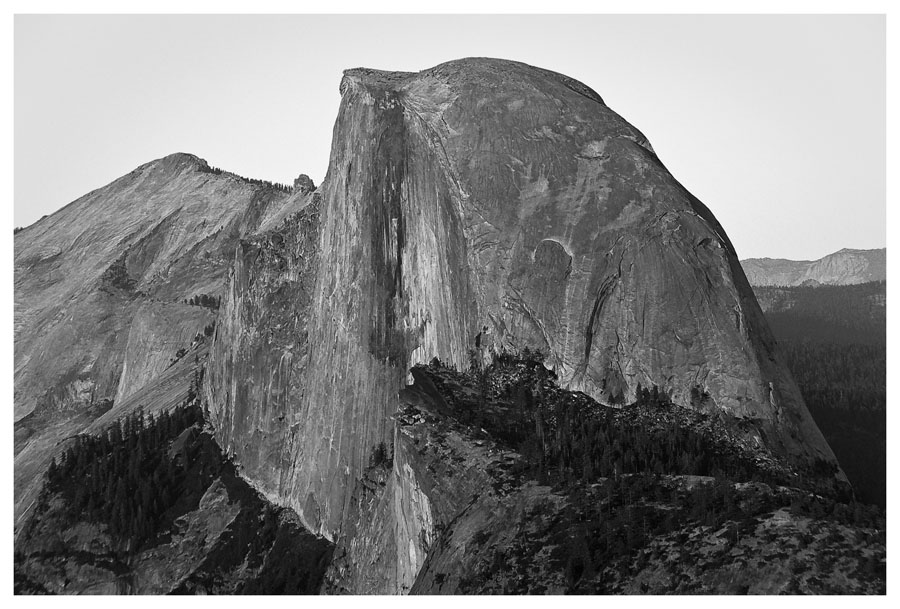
[[499, 349]]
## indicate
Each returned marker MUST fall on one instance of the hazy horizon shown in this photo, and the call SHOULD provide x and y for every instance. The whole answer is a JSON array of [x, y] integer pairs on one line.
[[776, 123]]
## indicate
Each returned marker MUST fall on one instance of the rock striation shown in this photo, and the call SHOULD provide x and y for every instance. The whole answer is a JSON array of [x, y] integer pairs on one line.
[[478, 207], [482, 205], [100, 291]]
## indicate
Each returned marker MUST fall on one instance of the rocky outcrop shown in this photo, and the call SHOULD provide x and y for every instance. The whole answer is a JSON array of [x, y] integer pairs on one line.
[[100, 287], [493, 203], [478, 207], [304, 184], [259, 363], [399, 510], [845, 267]]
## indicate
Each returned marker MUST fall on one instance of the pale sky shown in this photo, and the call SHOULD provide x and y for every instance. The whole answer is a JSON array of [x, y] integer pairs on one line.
[[777, 123]]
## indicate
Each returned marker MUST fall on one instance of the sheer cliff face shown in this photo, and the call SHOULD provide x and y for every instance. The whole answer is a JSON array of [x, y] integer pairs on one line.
[[260, 355], [490, 203]]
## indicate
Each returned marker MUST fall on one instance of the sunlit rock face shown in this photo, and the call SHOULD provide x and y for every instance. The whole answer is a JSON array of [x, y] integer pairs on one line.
[[100, 291], [163, 233], [490, 203], [259, 360]]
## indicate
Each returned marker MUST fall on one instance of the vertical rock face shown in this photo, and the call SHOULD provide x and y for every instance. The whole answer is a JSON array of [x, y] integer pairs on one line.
[[261, 349], [390, 284], [490, 203], [476, 207]]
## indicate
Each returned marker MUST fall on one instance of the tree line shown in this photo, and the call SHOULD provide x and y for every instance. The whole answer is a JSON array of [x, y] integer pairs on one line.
[[265, 183], [204, 300], [566, 437], [847, 314], [833, 341], [124, 477]]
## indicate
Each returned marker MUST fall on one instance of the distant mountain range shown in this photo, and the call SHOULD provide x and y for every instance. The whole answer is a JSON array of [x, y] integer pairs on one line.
[[845, 267]]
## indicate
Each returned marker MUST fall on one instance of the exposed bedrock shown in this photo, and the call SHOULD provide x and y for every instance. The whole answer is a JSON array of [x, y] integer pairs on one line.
[[490, 199], [255, 373], [159, 333], [100, 291]]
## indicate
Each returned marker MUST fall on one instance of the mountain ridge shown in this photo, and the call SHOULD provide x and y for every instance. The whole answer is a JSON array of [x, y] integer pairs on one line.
[[451, 217], [844, 267], [132, 251], [471, 212]]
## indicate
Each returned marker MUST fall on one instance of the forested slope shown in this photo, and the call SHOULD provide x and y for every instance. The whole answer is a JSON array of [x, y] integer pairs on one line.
[[834, 341]]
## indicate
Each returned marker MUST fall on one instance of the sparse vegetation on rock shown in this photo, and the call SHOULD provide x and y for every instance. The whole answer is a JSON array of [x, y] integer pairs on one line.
[[614, 510], [649, 440], [205, 168], [204, 300]]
